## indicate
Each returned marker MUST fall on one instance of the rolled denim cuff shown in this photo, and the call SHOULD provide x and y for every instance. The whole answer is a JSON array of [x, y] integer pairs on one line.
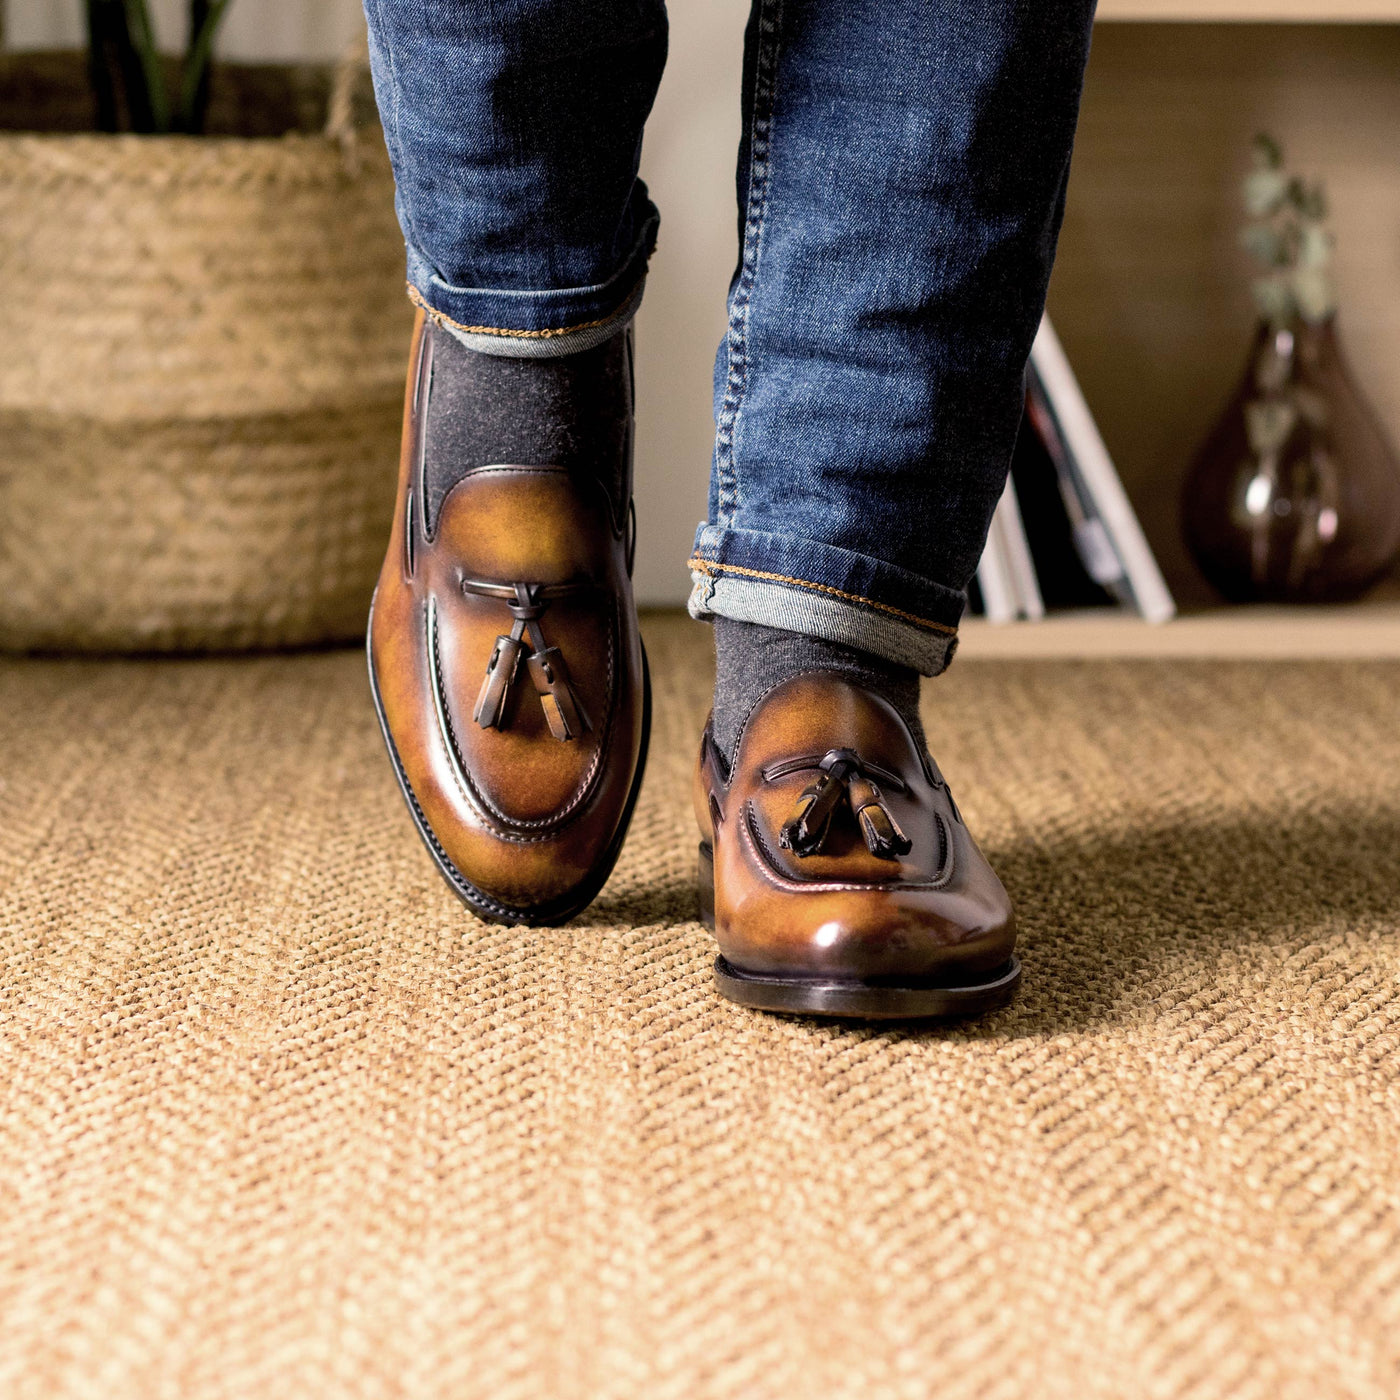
[[823, 591], [534, 325]]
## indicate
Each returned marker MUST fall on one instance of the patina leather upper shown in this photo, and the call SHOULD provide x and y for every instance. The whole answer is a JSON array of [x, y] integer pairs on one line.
[[509, 673], [838, 850]]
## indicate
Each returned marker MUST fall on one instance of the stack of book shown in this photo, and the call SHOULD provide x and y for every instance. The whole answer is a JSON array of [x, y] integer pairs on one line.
[[1064, 534]]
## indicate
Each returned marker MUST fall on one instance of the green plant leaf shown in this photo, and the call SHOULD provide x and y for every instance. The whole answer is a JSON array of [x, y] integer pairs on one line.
[[143, 41], [102, 72], [197, 59]]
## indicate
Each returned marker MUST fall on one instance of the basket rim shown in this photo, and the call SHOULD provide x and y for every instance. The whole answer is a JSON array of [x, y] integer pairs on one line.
[[159, 139], [101, 158]]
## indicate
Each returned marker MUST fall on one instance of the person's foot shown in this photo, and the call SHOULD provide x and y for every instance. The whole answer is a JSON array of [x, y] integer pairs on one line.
[[835, 868], [504, 655]]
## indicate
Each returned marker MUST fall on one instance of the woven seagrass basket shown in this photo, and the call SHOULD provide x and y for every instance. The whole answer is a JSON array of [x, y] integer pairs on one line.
[[202, 350]]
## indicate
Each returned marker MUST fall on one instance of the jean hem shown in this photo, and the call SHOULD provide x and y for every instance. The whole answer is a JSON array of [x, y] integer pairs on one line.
[[819, 610], [534, 324], [536, 345]]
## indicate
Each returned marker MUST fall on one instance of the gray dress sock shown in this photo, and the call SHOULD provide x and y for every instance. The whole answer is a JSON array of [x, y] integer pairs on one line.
[[752, 659], [572, 411]]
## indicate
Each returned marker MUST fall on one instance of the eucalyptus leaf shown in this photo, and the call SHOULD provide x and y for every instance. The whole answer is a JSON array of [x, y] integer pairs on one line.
[[1312, 203], [1314, 292], [1266, 151], [1264, 191], [1273, 299], [1314, 246], [1288, 236], [1264, 242]]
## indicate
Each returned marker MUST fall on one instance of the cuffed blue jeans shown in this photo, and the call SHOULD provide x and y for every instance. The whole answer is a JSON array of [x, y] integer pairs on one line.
[[901, 183]]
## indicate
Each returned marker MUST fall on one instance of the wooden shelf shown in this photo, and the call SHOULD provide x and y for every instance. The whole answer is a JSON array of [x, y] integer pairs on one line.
[[1357, 631], [1253, 11]]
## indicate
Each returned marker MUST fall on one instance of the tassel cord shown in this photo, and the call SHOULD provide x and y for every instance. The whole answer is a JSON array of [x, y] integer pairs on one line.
[[527, 602], [843, 776]]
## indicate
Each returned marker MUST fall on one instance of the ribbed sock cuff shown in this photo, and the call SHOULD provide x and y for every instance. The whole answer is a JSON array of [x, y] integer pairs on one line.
[[751, 659]]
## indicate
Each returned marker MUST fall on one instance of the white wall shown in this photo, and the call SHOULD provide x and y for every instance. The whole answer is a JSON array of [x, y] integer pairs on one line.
[[688, 162], [254, 29]]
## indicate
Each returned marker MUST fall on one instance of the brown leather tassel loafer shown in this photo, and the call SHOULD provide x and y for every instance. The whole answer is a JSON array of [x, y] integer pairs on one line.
[[506, 664], [835, 868]]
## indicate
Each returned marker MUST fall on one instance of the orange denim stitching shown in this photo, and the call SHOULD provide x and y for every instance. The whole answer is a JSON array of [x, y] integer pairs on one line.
[[416, 297], [707, 567]]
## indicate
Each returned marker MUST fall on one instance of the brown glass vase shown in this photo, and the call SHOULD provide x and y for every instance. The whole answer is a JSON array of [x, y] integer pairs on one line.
[[1295, 495]]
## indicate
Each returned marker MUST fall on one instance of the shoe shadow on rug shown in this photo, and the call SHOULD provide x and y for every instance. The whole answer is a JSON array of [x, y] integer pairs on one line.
[[671, 901], [1113, 924]]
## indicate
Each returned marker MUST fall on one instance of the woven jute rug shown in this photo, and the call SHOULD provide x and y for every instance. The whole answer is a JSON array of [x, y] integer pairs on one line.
[[279, 1119]]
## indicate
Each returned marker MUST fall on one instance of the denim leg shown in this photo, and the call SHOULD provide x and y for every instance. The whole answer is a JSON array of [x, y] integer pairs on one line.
[[515, 129], [901, 185]]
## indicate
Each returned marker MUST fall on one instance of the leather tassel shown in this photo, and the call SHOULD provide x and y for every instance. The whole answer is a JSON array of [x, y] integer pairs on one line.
[[495, 689], [805, 829], [883, 838], [551, 679]]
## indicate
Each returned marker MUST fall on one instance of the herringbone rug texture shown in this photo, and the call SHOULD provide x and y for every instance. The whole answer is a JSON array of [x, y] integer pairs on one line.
[[279, 1119]]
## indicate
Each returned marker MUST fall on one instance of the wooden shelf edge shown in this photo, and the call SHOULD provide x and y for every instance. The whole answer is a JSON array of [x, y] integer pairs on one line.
[[1361, 631], [1249, 11]]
